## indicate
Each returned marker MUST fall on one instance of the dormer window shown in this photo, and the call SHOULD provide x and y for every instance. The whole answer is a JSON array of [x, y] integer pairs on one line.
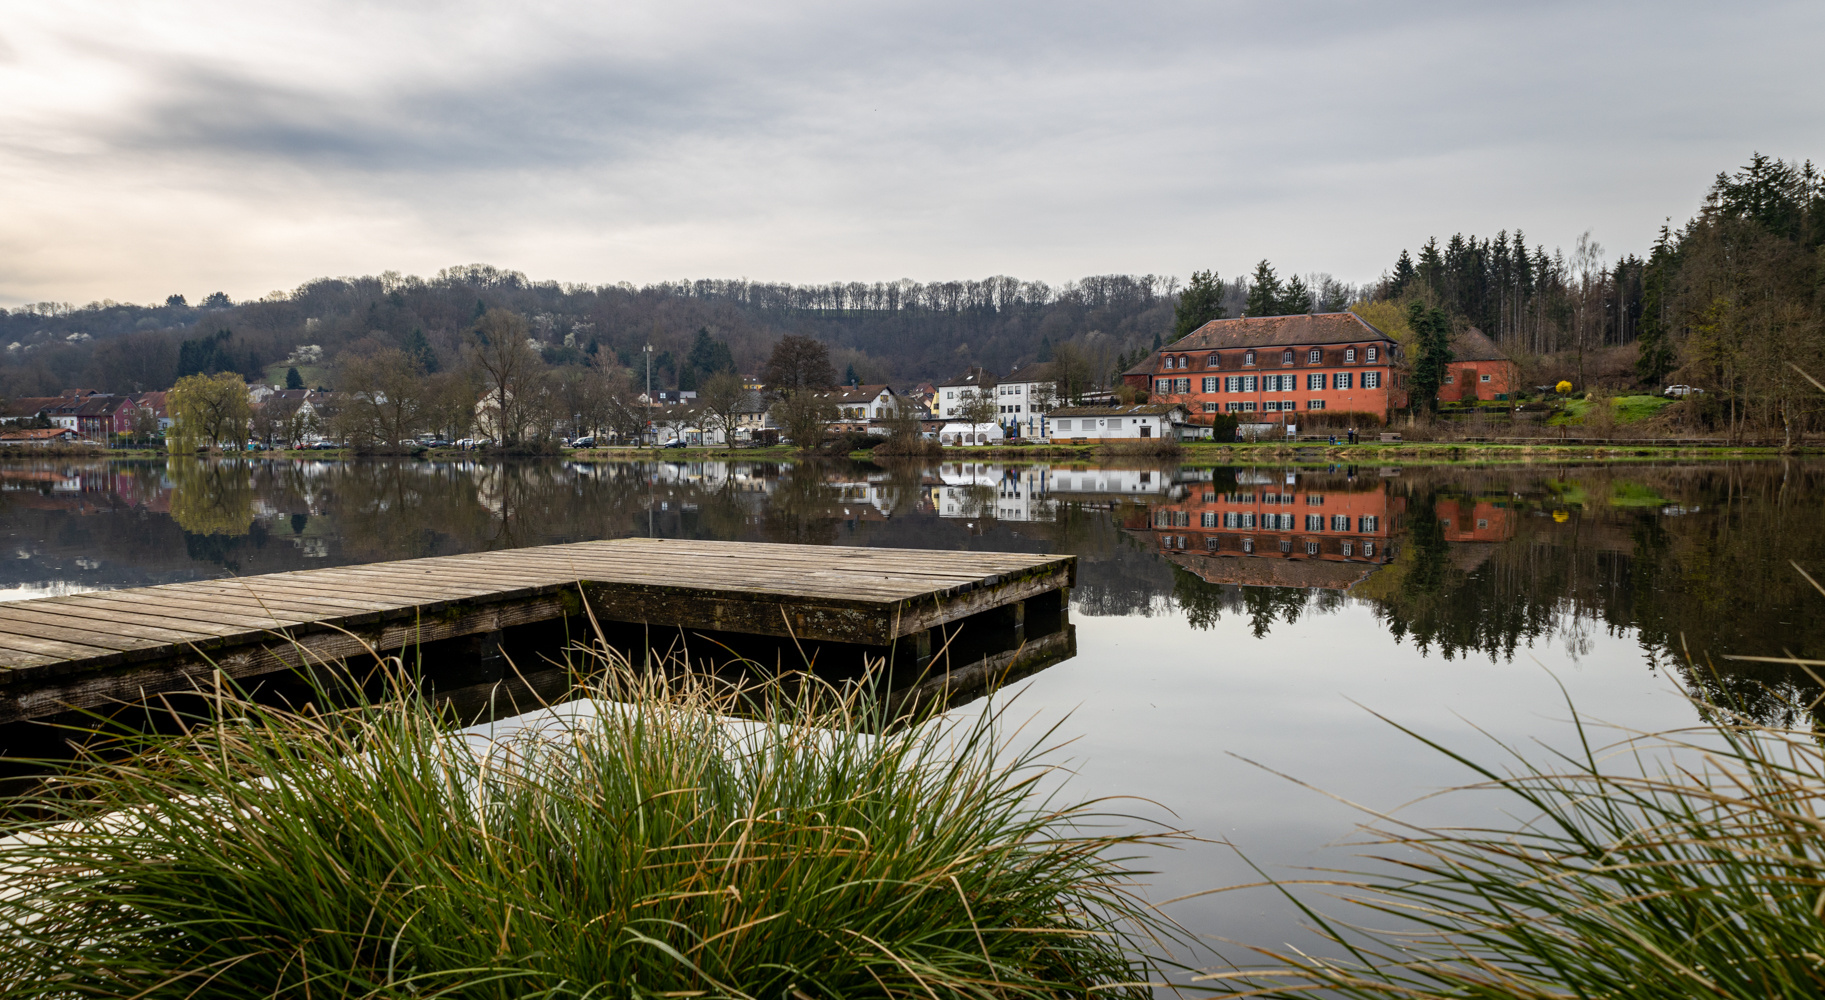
[[1168, 365], [1248, 357], [1286, 357], [1374, 353], [1314, 356], [1184, 362], [1349, 354], [1211, 361]]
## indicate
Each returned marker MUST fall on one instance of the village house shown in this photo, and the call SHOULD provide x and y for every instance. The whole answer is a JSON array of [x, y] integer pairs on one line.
[[1162, 421], [1478, 370], [1025, 396], [1333, 362], [954, 393], [37, 437], [859, 407]]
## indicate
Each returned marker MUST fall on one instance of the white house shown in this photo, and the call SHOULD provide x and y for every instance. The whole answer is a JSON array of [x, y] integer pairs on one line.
[[863, 405], [1025, 396], [954, 393], [1168, 421]]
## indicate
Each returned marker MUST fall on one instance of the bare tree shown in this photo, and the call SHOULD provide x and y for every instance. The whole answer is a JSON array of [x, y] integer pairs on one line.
[[805, 417], [383, 399], [510, 371], [798, 363], [721, 395]]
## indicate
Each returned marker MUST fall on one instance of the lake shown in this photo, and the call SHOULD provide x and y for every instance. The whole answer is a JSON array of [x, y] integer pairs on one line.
[[1231, 622]]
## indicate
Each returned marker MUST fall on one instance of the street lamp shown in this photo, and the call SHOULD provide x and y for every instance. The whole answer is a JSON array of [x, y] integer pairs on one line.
[[649, 387]]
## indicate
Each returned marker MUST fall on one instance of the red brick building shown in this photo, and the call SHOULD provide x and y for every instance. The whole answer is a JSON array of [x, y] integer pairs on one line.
[[1277, 365], [1478, 370], [1316, 534]]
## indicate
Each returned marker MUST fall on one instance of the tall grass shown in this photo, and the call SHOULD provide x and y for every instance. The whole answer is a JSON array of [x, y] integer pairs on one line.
[[1696, 870], [645, 845]]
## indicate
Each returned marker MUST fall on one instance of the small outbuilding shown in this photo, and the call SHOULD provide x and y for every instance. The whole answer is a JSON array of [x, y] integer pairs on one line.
[[1160, 421], [962, 435]]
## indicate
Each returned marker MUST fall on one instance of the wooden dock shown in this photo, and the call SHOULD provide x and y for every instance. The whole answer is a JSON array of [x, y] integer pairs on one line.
[[89, 650]]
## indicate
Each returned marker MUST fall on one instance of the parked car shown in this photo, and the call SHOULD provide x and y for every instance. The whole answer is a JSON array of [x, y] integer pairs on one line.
[[586, 441], [675, 444], [1683, 390]]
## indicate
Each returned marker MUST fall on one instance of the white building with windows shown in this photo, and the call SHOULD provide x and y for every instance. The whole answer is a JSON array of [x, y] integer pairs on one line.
[[954, 393], [1158, 421], [1026, 395]]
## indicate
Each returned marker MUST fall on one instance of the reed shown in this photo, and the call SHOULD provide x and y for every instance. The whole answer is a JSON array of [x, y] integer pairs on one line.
[[1695, 869], [640, 843]]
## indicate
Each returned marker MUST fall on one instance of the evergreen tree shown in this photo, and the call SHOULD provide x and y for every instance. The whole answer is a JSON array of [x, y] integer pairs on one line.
[[481, 309], [849, 376], [1199, 303], [1295, 298], [1432, 344], [419, 350], [707, 357], [206, 355], [1156, 340], [1656, 352], [1264, 292], [1404, 274], [293, 380], [593, 349], [1432, 264], [1045, 349]]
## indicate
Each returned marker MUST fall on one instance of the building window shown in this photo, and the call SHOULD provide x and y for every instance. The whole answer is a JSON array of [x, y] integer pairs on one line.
[[1210, 407], [1367, 524], [1208, 519], [1314, 499], [1184, 384], [1349, 354], [1210, 383], [1184, 362], [1368, 549], [1343, 380], [1163, 385], [1447, 380], [948, 394], [1314, 404], [1315, 382], [1271, 406], [1340, 522], [1314, 356], [1248, 407], [1286, 356], [1485, 378], [1168, 363], [1211, 362], [1311, 548], [1374, 353], [1063, 425], [1248, 357], [1249, 382], [1232, 383], [1481, 523], [1286, 545], [1314, 522], [1347, 547], [1232, 407], [1248, 545], [1371, 380]]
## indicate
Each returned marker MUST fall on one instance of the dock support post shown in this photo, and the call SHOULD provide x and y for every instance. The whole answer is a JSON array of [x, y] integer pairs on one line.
[[916, 648]]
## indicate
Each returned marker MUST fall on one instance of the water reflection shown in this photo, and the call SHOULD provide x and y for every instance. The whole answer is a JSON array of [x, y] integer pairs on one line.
[[1451, 561]]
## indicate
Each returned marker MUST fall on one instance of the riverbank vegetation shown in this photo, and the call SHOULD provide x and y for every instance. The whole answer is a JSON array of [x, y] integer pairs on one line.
[[1667, 865], [644, 843]]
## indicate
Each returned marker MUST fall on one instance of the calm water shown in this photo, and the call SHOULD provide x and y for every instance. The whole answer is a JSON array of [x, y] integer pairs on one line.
[[1229, 620]]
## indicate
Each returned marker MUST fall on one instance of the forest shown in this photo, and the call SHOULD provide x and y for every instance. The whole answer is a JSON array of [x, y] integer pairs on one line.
[[1728, 301]]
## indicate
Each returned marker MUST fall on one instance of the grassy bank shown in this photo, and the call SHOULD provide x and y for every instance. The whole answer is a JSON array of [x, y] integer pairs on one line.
[[650, 847], [1622, 875]]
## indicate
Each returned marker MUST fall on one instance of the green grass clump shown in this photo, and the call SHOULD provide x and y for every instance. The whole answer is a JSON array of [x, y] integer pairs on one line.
[[652, 848], [1696, 871]]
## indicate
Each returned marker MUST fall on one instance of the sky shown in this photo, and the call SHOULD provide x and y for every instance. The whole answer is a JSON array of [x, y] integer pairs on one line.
[[152, 148]]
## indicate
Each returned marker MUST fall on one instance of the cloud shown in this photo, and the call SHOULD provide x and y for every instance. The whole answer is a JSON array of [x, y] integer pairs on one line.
[[185, 147]]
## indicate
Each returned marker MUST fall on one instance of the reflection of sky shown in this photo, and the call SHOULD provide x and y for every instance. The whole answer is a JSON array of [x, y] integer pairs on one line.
[[1157, 710]]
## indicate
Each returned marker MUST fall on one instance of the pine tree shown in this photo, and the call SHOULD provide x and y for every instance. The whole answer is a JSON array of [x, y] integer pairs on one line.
[[1199, 303], [293, 380], [1295, 298], [1264, 292], [1404, 274], [419, 350], [1432, 341], [1656, 354], [1045, 349], [849, 376], [1432, 265]]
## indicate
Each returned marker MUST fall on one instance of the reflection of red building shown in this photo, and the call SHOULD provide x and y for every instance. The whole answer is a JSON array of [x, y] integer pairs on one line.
[[1305, 536], [1474, 520]]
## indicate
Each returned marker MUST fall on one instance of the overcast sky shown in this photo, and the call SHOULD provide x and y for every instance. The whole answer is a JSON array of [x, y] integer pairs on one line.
[[151, 148]]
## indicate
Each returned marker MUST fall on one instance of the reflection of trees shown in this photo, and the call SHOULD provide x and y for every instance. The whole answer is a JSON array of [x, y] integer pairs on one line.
[[211, 497], [799, 510]]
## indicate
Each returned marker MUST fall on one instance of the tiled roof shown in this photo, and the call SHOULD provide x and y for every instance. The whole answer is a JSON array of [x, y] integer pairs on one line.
[[1474, 345], [858, 394], [1041, 371], [1279, 331], [975, 375], [1138, 410]]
